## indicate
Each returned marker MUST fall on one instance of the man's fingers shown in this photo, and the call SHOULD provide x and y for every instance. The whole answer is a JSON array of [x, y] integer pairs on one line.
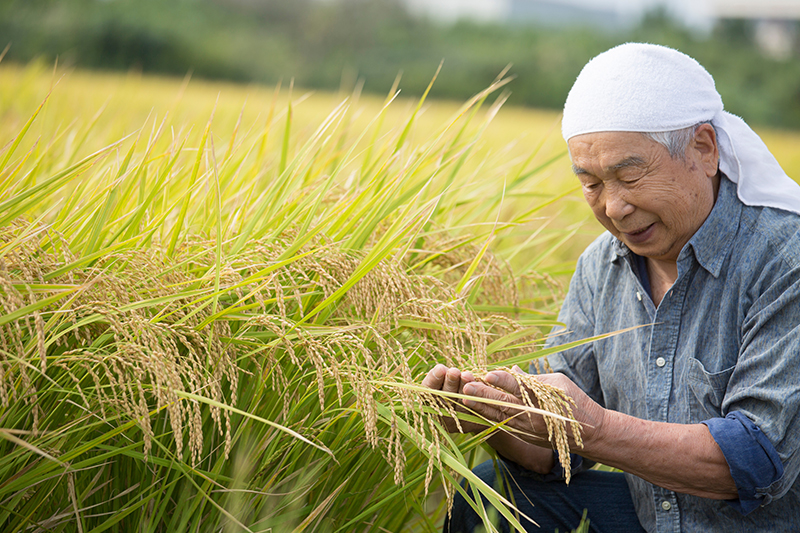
[[452, 380], [442, 378], [503, 380], [435, 378], [492, 411]]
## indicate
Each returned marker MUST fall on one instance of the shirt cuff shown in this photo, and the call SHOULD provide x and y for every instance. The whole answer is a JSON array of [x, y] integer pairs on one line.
[[753, 461]]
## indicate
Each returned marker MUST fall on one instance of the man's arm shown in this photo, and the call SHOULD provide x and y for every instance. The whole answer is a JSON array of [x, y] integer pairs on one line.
[[680, 457]]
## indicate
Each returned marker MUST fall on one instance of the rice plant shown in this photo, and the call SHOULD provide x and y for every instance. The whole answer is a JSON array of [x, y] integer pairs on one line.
[[223, 327]]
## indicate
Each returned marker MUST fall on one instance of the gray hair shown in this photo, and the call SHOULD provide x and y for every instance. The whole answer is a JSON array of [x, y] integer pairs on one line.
[[675, 141]]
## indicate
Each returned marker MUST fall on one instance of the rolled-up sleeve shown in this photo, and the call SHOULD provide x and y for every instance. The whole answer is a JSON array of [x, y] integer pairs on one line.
[[763, 395], [753, 461]]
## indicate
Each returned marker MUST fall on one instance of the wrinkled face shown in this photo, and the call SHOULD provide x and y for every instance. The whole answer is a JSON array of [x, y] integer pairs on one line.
[[650, 201]]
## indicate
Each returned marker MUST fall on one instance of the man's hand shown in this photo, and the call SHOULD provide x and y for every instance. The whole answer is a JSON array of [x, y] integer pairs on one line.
[[452, 380], [531, 427], [533, 457]]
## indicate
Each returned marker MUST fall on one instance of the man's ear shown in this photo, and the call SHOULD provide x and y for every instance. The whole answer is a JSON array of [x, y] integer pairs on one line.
[[706, 149]]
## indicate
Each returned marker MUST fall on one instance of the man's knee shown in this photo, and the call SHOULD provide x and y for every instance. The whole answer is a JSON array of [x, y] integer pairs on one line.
[[542, 505]]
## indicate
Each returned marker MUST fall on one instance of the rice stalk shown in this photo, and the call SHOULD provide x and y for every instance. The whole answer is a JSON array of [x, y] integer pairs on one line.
[[540, 395], [211, 339]]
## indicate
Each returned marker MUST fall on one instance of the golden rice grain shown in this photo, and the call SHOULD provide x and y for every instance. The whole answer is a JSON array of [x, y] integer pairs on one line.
[[155, 353], [537, 394]]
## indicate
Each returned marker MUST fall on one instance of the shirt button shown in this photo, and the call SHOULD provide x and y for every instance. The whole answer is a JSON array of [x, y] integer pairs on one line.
[[666, 505], [659, 363]]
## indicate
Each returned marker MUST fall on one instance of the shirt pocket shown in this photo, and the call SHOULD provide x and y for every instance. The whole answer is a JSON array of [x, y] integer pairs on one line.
[[709, 388]]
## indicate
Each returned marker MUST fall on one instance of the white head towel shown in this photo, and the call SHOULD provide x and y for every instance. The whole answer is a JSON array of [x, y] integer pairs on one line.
[[650, 88]]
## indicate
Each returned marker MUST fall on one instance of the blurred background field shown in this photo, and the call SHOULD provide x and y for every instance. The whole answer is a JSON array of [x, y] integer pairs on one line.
[[118, 105], [121, 104], [750, 46]]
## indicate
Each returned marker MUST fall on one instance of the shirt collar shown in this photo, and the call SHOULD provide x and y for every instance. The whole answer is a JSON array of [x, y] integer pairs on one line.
[[712, 242]]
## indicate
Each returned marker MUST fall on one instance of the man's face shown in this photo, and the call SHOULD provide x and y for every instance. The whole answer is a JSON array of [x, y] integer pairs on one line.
[[650, 201]]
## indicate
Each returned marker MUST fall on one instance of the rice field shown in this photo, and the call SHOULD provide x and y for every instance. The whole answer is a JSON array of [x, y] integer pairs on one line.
[[219, 300]]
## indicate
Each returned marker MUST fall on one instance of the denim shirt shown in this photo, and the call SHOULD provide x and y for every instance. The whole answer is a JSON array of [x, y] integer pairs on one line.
[[722, 348]]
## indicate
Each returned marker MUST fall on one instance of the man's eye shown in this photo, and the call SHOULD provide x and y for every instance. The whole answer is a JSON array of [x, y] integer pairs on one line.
[[630, 178]]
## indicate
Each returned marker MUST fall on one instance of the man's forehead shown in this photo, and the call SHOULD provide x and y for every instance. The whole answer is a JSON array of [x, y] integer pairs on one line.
[[630, 161], [609, 151]]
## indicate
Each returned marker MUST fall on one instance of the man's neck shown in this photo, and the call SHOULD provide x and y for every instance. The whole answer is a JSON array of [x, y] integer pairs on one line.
[[662, 275]]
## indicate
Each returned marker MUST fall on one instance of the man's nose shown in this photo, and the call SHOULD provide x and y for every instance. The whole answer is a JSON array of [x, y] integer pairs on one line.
[[617, 204]]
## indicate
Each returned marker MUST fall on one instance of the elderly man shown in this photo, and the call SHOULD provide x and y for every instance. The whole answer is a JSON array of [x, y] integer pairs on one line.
[[699, 407]]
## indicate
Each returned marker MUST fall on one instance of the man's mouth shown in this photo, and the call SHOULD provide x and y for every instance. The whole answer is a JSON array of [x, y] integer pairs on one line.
[[639, 235]]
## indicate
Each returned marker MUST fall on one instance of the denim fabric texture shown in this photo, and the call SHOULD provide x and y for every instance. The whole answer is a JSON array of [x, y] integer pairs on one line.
[[752, 458], [722, 348], [603, 495]]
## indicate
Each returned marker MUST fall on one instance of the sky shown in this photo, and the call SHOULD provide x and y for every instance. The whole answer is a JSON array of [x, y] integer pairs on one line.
[[702, 12], [695, 13]]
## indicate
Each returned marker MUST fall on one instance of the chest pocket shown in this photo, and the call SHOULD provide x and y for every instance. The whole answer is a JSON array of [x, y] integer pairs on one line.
[[708, 388]]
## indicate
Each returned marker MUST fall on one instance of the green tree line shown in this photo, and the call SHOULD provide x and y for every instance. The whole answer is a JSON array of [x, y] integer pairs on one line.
[[341, 43]]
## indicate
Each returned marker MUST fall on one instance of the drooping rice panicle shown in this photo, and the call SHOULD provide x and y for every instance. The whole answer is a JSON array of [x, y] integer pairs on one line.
[[539, 395], [205, 338]]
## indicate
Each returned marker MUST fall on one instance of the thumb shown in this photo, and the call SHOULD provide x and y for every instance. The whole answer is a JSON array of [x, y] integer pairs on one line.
[[503, 380]]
